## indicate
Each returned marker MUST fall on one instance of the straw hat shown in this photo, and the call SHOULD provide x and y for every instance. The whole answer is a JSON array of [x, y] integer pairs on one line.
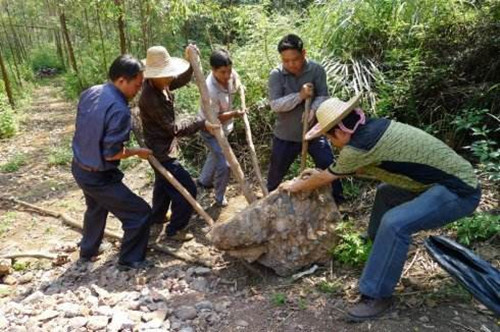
[[330, 113], [160, 64]]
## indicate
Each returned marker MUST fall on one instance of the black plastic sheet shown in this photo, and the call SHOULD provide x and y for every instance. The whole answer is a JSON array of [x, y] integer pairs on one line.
[[479, 277]]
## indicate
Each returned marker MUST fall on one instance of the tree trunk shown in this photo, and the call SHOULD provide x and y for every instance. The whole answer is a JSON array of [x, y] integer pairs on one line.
[[55, 32], [144, 28], [98, 18], [121, 26], [14, 57], [71, 54], [60, 53], [219, 134], [87, 26], [19, 45], [6, 81]]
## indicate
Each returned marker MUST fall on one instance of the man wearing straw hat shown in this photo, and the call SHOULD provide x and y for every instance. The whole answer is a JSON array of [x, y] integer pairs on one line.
[[162, 75], [102, 127], [296, 80], [426, 185]]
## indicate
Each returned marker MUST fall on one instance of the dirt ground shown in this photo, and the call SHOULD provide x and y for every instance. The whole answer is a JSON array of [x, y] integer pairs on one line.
[[256, 299]]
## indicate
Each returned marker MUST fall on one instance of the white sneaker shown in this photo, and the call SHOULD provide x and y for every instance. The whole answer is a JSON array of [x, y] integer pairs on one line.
[[222, 203]]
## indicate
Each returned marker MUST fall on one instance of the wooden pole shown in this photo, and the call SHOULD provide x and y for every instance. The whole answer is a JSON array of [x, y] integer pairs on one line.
[[136, 128], [305, 126], [180, 188], [210, 115], [248, 134]]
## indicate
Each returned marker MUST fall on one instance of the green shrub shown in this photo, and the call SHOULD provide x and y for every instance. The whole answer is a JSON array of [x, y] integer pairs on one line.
[[14, 163], [480, 123], [328, 287], [278, 299], [8, 122], [6, 221], [352, 249], [60, 156], [20, 266], [479, 227], [45, 57]]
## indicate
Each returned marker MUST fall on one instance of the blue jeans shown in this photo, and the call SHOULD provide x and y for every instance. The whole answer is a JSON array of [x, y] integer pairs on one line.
[[164, 194], [105, 192], [396, 215], [284, 154], [216, 170]]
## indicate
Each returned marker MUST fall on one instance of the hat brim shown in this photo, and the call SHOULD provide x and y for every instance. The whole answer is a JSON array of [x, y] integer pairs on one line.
[[175, 67], [317, 130]]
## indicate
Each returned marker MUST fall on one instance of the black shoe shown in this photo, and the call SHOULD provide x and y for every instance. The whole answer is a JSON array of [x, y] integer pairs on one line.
[[85, 259], [142, 265], [369, 308]]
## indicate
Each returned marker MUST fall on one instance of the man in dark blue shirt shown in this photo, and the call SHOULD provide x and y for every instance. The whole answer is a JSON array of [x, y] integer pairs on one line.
[[103, 125]]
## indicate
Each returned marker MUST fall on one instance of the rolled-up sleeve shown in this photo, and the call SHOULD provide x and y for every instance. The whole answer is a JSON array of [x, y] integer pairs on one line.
[[116, 132], [279, 102]]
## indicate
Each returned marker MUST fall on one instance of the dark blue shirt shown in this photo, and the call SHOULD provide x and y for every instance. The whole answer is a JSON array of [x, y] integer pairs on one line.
[[103, 124]]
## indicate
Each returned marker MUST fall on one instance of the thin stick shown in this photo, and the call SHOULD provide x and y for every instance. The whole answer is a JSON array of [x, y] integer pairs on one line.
[[210, 115], [253, 154], [412, 262], [463, 326], [30, 254]]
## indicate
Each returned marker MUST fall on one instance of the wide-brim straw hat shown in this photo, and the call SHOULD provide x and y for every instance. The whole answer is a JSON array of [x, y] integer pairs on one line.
[[330, 113], [160, 64]]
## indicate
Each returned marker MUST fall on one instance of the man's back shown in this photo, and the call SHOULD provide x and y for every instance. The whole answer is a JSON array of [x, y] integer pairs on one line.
[[102, 125]]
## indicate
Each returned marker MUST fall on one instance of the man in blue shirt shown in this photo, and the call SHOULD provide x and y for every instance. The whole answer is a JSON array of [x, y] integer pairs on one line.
[[103, 125]]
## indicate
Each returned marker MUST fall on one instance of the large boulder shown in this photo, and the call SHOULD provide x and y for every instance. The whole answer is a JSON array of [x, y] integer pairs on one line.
[[281, 231]]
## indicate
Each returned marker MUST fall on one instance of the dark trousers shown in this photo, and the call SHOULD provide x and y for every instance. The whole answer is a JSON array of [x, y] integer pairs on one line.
[[284, 154], [105, 192], [165, 194]]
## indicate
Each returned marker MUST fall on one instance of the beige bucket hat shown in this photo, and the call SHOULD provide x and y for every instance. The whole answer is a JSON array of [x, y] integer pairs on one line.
[[330, 113], [160, 64]]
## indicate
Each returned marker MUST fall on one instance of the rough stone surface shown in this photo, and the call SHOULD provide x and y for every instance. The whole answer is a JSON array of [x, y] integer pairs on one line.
[[185, 312], [26, 278], [48, 315], [70, 310], [4, 323], [77, 322], [283, 232], [97, 322], [5, 266], [9, 280], [120, 321]]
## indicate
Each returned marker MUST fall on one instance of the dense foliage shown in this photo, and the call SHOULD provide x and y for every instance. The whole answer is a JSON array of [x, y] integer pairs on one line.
[[431, 63]]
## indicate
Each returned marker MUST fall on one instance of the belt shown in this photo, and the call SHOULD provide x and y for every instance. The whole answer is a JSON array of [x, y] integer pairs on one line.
[[85, 168]]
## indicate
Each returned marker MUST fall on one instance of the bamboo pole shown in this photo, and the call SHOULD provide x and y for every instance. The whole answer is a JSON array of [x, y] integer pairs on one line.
[[194, 59], [248, 134]]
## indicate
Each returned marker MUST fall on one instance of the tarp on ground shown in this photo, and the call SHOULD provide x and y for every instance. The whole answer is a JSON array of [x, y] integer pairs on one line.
[[479, 277]]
